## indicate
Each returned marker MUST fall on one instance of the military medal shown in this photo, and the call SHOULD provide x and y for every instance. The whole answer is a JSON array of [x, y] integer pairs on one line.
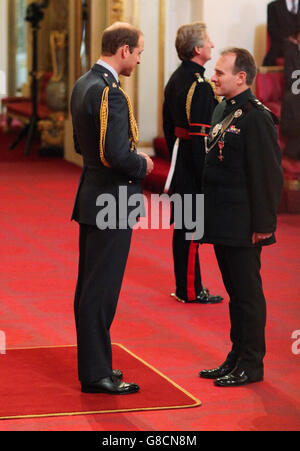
[[217, 133], [216, 130], [221, 146], [238, 114]]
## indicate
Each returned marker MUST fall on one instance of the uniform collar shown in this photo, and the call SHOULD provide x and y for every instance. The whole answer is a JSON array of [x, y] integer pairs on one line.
[[194, 67], [108, 67], [238, 101], [105, 71]]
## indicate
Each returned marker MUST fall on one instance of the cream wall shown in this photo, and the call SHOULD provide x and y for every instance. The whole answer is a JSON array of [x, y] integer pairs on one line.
[[230, 23], [3, 47], [148, 71], [179, 12], [239, 23]]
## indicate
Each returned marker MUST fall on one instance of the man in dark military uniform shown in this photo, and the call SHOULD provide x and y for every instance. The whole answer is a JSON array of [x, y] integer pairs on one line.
[[283, 28], [187, 110], [243, 182], [105, 133]]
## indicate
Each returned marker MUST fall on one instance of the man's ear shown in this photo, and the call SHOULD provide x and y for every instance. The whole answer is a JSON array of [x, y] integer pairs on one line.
[[197, 51], [242, 77], [125, 51]]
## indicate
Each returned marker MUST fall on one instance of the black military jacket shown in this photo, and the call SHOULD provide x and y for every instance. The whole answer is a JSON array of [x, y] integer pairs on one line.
[[290, 124], [281, 25], [243, 180], [118, 165], [188, 105]]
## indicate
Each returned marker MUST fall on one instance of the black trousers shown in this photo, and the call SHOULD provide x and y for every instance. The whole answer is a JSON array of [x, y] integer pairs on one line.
[[186, 266], [240, 268], [102, 260]]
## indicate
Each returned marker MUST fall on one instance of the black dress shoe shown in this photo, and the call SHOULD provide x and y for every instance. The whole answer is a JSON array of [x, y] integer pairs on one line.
[[109, 385], [206, 298], [236, 378], [117, 373], [215, 373], [203, 298]]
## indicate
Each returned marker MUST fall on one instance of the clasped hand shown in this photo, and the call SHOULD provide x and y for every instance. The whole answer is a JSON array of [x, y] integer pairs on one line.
[[257, 237], [150, 164]]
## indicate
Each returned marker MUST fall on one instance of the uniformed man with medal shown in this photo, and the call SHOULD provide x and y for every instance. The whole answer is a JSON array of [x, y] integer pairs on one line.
[[243, 182]]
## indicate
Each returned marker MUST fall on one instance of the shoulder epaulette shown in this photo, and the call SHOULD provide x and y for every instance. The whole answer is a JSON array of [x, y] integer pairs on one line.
[[260, 106], [104, 77]]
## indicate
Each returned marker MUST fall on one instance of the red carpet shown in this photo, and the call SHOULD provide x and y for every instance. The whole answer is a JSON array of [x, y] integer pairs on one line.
[[38, 265], [41, 382]]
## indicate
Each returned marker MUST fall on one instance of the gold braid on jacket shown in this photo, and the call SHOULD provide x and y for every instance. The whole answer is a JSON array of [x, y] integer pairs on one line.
[[134, 131], [192, 91], [189, 101], [103, 125]]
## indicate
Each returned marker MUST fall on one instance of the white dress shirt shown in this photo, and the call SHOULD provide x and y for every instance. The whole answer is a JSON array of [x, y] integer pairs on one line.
[[289, 5], [108, 67]]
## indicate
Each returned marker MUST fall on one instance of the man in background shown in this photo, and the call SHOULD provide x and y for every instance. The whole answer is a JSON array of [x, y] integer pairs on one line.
[[283, 27], [187, 110]]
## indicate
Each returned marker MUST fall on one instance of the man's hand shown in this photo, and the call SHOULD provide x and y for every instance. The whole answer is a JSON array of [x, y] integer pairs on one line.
[[293, 40], [257, 237], [150, 164]]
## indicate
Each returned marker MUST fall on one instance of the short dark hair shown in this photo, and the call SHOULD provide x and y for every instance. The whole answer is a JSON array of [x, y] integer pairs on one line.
[[117, 35], [244, 63]]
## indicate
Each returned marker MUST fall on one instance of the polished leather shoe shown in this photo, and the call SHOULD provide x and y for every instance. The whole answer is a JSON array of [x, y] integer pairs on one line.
[[117, 373], [109, 385], [236, 378], [215, 373], [203, 298], [206, 298]]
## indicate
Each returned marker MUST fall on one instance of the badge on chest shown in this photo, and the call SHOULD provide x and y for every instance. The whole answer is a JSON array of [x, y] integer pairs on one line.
[[217, 134]]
